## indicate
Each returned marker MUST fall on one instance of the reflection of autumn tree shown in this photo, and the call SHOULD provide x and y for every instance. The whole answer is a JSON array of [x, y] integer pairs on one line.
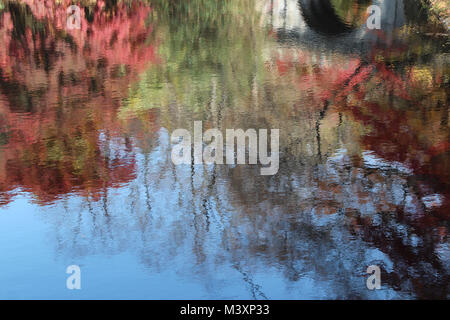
[[356, 168], [410, 127], [338, 177], [404, 178], [403, 134], [380, 207], [388, 103], [355, 187], [60, 91]]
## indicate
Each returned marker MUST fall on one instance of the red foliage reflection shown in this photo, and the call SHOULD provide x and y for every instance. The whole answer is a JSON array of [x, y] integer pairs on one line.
[[59, 94]]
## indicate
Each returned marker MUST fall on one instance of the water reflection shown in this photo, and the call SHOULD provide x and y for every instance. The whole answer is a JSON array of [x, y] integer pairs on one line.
[[61, 92], [86, 117]]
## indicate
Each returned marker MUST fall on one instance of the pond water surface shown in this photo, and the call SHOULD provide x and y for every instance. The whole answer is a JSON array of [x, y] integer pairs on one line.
[[86, 176]]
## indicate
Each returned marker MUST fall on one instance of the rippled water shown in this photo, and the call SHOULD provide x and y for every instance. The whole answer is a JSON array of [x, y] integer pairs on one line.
[[86, 176]]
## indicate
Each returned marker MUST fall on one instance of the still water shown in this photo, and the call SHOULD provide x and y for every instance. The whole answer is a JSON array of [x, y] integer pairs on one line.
[[86, 176]]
